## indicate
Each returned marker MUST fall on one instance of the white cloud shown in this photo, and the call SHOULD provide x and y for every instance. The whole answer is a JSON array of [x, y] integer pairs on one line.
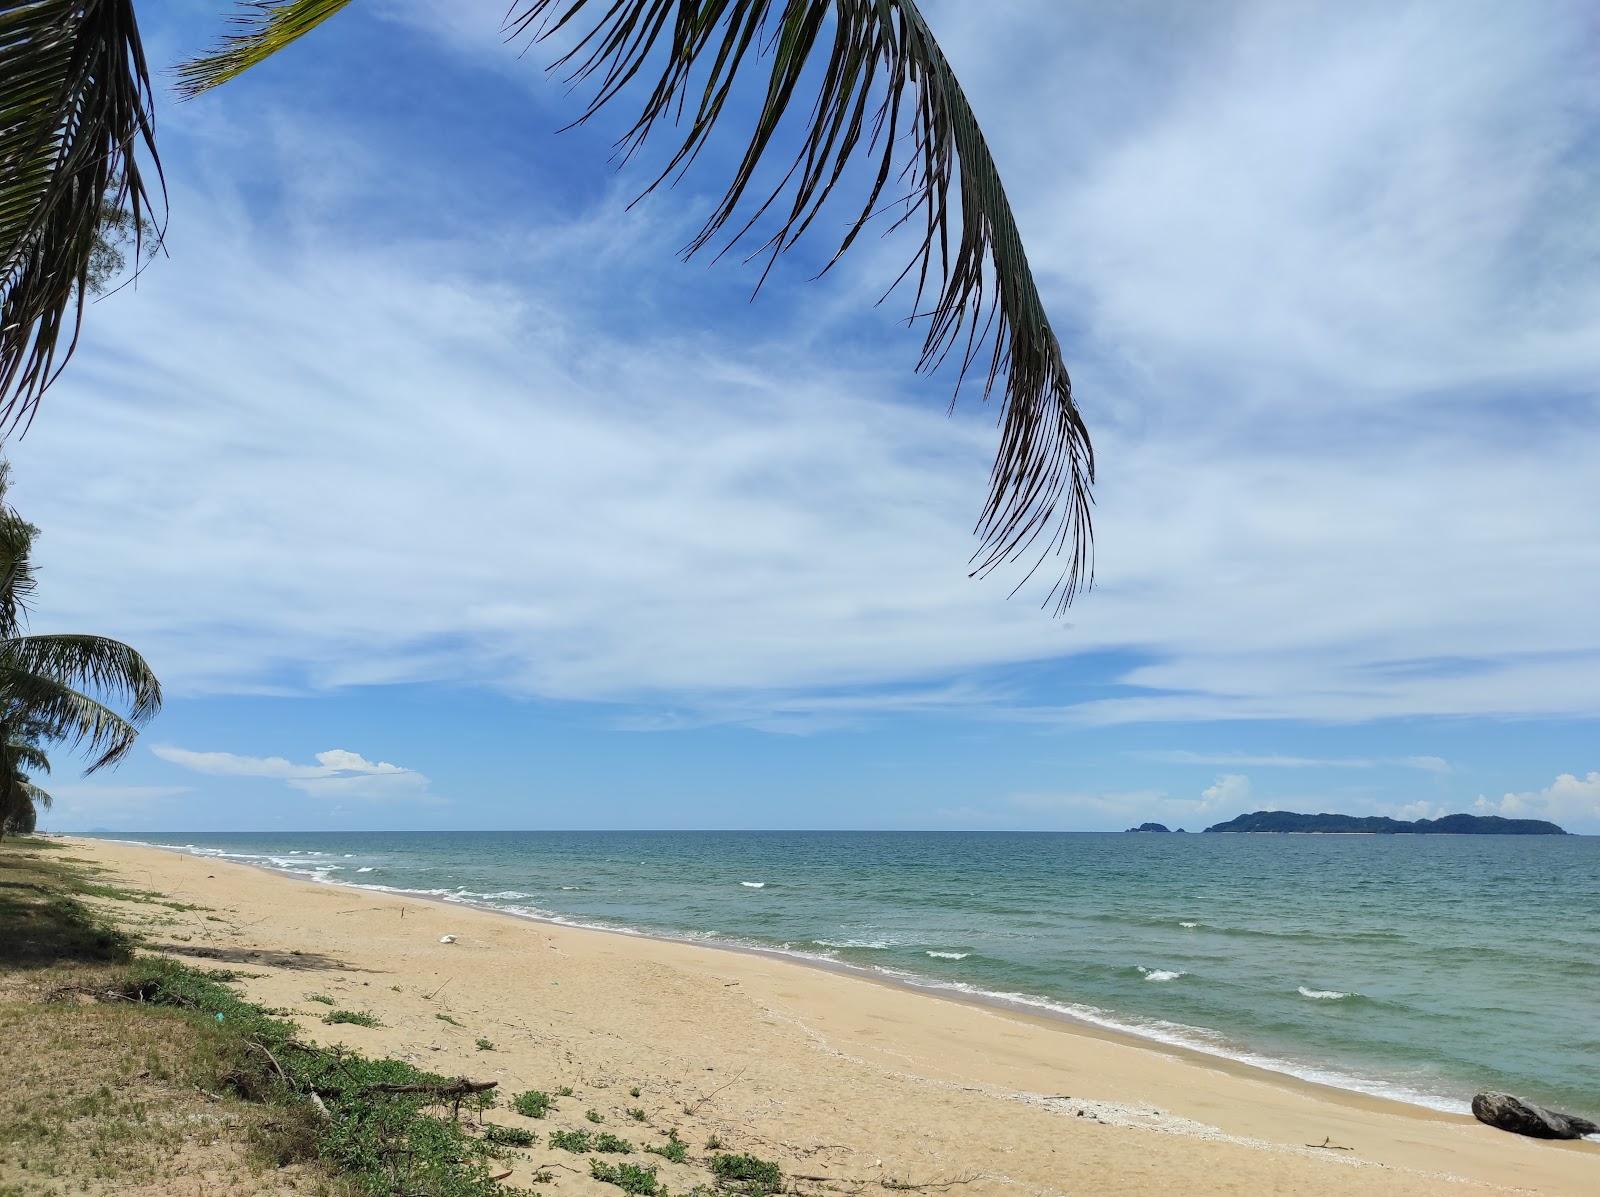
[[1231, 789], [1111, 810], [338, 772], [1421, 809], [1340, 376], [1570, 800]]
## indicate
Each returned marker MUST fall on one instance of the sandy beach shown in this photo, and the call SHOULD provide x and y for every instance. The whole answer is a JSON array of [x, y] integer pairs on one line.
[[835, 1076]]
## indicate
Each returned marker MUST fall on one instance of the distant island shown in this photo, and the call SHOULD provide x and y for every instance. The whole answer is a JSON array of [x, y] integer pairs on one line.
[[1284, 820], [1151, 827]]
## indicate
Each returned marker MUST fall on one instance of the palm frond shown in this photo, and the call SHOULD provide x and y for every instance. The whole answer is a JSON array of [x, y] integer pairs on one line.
[[61, 713], [885, 93], [75, 117], [28, 756], [16, 565], [40, 798], [262, 28], [108, 667]]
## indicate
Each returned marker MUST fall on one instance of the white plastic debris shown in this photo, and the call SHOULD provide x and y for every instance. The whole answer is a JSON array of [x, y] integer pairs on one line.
[[447, 939]]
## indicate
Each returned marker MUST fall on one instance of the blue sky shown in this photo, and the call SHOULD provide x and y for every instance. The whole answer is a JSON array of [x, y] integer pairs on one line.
[[441, 494]]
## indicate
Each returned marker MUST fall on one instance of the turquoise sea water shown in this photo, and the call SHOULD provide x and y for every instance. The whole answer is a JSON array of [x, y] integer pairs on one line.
[[1420, 967]]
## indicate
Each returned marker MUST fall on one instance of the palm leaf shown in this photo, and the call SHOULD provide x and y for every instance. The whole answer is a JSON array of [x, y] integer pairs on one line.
[[28, 756], [40, 798], [884, 85], [64, 714], [108, 667], [885, 94], [75, 114], [262, 28], [16, 568]]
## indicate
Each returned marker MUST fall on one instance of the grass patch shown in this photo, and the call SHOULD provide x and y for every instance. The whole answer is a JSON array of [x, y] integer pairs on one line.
[[594, 1116], [630, 1178], [609, 1143], [634, 1092], [533, 1104], [674, 1149], [45, 925], [750, 1173], [448, 1019], [576, 1141], [484, 1045], [509, 1136], [118, 893], [320, 997], [354, 1018], [151, 1073], [564, 1091], [636, 1114]]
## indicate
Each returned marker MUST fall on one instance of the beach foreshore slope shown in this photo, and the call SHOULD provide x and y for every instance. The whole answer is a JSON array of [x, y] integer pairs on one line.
[[834, 1076]]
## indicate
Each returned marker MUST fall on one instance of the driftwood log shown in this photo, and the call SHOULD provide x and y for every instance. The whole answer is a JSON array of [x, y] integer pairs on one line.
[[460, 1087], [1524, 1118]]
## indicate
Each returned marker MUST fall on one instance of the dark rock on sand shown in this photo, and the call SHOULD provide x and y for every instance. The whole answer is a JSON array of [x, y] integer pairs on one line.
[[1524, 1118]]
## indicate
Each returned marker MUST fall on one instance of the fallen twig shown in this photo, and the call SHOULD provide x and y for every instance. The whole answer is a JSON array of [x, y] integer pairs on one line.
[[887, 1182], [278, 1068], [694, 1106], [460, 1087], [55, 995], [1328, 1144]]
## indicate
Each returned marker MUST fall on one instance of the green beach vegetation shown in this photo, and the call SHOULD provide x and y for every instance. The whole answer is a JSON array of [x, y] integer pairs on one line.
[[141, 1060]]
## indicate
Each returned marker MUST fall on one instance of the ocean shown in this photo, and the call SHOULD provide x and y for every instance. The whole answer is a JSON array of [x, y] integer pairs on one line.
[[1425, 968]]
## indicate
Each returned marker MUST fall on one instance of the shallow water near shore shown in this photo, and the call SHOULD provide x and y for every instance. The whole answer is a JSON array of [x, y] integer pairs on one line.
[[1425, 968]]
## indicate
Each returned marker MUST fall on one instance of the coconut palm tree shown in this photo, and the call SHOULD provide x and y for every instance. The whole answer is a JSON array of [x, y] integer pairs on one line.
[[77, 136], [21, 799], [58, 688]]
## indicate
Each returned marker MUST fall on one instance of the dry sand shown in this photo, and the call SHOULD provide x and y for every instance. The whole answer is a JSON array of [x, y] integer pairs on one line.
[[832, 1075]]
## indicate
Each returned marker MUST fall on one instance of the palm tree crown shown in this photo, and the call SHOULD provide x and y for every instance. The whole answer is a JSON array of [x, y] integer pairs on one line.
[[58, 688]]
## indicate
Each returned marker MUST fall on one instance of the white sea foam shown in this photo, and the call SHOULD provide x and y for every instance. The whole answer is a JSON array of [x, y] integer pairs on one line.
[[1161, 974], [1191, 926], [572, 887], [365, 869], [754, 884], [949, 955], [875, 945], [1325, 995]]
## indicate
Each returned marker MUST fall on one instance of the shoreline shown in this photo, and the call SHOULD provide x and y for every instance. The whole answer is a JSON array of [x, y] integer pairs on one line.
[[1049, 1011], [877, 1074]]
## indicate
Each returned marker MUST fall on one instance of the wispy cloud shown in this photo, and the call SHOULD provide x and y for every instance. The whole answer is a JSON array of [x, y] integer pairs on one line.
[[337, 773], [1340, 377], [1247, 760]]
